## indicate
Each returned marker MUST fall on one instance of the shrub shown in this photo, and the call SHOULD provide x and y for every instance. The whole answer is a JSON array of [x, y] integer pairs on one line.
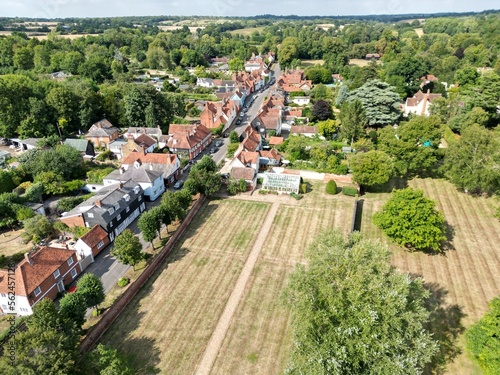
[[96, 312], [296, 196], [331, 187], [341, 169], [105, 155], [236, 186], [350, 191], [303, 188], [231, 149], [124, 281]]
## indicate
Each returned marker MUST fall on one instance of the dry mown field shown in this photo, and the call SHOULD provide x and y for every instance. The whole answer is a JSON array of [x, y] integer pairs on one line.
[[468, 274], [167, 326], [247, 31], [259, 338]]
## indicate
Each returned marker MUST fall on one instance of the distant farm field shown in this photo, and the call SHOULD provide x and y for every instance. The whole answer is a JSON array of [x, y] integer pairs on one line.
[[247, 31], [307, 63]]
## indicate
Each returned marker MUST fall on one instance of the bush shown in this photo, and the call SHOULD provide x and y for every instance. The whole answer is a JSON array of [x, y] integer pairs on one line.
[[331, 187], [103, 156], [217, 131], [236, 186], [303, 188], [124, 281], [350, 191], [231, 149], [96, 312], [234, 137], [296, 196], [340, 169]]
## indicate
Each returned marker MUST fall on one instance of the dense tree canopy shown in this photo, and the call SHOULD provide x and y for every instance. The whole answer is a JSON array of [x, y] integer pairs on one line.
[[380, 102], [483, 343], [371, 168], [411, 220], [127, 248], [342, 303]]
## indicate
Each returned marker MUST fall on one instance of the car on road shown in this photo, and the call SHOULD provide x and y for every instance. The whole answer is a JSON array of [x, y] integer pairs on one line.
[[242, 114], [238, 121], [218, 143], [178, 184], [213, 150]]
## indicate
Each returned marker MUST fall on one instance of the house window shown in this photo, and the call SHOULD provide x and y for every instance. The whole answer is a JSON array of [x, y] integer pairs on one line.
[[70, 261], [87, 225], [37, 291], [140, 197], [100, 244], [119, 217], [73, 273], [127, 209], [4, 295], [57, 274], [23, 309], [90, 214]]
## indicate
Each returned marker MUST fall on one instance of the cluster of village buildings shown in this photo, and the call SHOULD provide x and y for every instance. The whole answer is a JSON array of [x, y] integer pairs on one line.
[[144, 175]]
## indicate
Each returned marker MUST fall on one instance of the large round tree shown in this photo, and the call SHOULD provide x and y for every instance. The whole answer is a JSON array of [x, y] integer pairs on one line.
[[411, 220], [371, 168], [352, 313]]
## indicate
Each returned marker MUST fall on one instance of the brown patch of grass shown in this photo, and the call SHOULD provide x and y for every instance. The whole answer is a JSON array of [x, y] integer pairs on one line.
[[11, 242], [308, 63], [247, 31]]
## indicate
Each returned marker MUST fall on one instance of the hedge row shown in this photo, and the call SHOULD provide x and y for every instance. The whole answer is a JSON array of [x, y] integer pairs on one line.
[[350, 191]]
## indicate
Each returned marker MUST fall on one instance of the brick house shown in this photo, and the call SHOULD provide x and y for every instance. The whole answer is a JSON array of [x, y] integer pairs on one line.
[[42, 274], [92, 243], [218, 114], [189, 140], [102, 133]]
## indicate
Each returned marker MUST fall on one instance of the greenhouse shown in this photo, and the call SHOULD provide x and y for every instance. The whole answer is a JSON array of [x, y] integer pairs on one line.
[[281, 183]]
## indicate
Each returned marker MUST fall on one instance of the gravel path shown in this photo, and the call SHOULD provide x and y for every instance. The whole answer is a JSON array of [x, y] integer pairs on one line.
[[215, 343]]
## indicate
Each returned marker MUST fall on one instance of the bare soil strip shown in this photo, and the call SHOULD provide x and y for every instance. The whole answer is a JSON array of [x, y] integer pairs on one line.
[[215, 343]]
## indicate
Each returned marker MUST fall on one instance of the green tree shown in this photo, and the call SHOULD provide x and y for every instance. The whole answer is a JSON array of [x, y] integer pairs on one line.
[[236, 186], [37, 228], [23, 58], [6, 182], [380, 102], [411, 220], [91, 288], [127, 248], [48, 346], [471, 164], [327, 128], [413, 145], [234, 137], [371, 168], [467, 76], [236, 64], [483, 343], [353, 313], [352, 121], [150, 224], [342, 96], [288, 51], [73, 307], [105, 360]]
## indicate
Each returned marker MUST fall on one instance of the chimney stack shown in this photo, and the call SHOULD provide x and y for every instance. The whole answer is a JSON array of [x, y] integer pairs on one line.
[[28, 258], [98, 203]]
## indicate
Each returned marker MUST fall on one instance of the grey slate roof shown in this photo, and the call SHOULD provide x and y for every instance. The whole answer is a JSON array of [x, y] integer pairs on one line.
[[78, 144], [135, 174], [112, 196]]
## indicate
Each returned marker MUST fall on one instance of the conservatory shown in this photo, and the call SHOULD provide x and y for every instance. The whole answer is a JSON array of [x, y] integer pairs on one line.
[[281, 183]]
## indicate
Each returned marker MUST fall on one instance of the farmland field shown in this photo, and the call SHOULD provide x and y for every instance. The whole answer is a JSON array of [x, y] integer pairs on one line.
[[247, 31], [307, 63]]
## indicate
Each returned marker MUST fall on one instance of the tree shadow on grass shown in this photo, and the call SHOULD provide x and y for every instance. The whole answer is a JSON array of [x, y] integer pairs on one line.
[[396, 183], [445, 324], [449, 233]]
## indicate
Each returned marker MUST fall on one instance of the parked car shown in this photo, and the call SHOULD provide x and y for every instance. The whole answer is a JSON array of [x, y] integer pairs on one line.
[[218, 143], [242, 114], [213, 150], [238, 122], [178, 184]]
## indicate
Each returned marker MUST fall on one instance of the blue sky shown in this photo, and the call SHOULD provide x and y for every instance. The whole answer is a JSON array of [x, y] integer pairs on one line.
[[110, 8]]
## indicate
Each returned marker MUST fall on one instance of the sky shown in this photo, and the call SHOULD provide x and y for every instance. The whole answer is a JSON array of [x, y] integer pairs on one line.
[[115, 8]]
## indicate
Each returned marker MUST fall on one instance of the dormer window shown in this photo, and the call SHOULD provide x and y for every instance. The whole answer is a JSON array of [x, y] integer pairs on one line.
[[111, 210], [126, 197]]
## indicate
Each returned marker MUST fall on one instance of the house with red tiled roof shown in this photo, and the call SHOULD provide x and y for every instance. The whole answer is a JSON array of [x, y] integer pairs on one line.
[[189, 140], [92, 243], [270, 121], [294, 80], [419, 104], [42, 274], [428, 78], [275, 141], [168, 165], [218, 114], [252, 141], [269, 158]]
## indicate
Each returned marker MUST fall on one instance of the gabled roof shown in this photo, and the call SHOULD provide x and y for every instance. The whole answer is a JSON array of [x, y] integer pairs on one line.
[[252, 139], [152, 158], [156, 132], [245, 173], [78, 144], [271, 154], [141, 174], [274, 141], [145, 141], [185, 137], [93, 237], [44, 262], [248, 157], [269, 121]]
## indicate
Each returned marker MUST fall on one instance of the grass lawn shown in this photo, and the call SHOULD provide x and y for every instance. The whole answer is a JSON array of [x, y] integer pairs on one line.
[[11, 242], [307, 63], [247, 31]]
